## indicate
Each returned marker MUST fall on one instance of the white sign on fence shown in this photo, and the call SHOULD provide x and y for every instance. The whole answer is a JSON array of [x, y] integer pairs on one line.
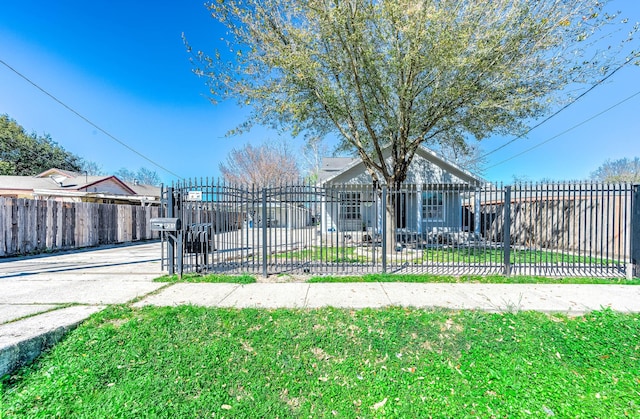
[[194, 196]]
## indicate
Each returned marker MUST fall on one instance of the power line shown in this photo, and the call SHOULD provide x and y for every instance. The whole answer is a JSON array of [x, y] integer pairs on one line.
[[555, 113], [122, 143], [567, 130]]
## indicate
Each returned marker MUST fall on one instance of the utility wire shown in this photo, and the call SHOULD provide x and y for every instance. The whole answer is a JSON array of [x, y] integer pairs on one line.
[[567, 130], [555, 113], [122, 143]]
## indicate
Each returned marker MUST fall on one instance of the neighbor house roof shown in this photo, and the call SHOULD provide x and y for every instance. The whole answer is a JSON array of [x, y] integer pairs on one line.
[[56, 182], [53, 171]]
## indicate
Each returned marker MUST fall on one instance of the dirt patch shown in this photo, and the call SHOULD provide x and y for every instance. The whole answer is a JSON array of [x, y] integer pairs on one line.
[[282, 278]]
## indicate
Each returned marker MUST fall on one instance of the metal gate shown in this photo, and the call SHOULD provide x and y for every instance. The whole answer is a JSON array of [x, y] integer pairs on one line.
[[455, 229]]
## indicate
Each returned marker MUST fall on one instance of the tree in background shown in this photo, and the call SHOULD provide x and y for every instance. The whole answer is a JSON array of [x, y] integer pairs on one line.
[[467, 156], [621, 170], [91, 168], [405, 73], [312, 153], [143, 176], [23, 154], [263, 166]]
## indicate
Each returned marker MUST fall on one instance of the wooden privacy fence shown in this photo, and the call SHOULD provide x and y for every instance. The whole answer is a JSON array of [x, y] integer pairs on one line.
[[34, 226], [589, 220]]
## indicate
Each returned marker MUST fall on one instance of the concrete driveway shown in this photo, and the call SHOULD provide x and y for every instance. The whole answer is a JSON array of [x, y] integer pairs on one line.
[[44, 296], [94, 277]]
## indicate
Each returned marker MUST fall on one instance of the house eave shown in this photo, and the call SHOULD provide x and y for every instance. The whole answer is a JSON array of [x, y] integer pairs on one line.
[[464, 175], [50, 193]]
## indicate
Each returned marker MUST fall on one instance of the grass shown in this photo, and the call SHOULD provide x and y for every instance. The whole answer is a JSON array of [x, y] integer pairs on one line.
[[479, 279], [345, 254], [480, 255], [465, 255], [197, 362], [415, 278], [211, 278]]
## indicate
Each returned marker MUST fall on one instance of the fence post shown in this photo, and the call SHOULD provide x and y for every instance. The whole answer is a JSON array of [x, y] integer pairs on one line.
[[180, 254], [635, 230], [476, 212], [170, 241], [506, 231], [384, 229], [264, 232]]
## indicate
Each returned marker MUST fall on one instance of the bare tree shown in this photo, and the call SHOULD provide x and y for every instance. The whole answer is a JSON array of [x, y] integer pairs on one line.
[[312, 153], [468, 156], [91, 168], [263, 166], [621, 170], [143, 176]]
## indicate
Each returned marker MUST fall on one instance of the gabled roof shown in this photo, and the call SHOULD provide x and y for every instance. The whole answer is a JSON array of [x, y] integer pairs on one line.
[[353, 165], [53, 180], [54, 171], [96, 180], [332, 166]]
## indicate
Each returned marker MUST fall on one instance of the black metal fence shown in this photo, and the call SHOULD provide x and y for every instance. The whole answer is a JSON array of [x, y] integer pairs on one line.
[[556, 229]]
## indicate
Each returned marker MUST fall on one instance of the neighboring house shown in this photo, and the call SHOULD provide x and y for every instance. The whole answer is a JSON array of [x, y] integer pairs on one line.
[[430, 199], [61, 185], [280, 214]]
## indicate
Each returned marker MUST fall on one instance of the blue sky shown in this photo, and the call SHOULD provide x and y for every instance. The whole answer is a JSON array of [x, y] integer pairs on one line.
[[122, 65]]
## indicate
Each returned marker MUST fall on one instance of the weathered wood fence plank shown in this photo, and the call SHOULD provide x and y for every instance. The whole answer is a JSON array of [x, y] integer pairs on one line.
[[33, 226]]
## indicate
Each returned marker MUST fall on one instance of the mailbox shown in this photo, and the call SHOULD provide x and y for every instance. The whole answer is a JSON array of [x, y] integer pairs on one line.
[[165, 224]]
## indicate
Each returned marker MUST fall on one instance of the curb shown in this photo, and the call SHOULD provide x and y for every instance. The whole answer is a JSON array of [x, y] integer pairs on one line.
[[24, 340]]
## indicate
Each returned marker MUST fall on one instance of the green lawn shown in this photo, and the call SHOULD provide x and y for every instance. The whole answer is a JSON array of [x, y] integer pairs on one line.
[[212, 278], [421, 278], [197, 362], [325, 254], [460, 255], [480, 279], [496, 256]]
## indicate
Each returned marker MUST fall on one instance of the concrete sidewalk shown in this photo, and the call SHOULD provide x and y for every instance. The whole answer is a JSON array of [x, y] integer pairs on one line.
[[44, 297], [569, 299]]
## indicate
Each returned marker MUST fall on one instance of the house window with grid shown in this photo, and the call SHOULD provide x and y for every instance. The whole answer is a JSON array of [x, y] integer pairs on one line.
[[350, 206], [432, 206]]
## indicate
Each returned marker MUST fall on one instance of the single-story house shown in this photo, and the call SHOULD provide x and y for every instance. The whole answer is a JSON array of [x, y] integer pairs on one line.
[[430, 199], [66, 186]]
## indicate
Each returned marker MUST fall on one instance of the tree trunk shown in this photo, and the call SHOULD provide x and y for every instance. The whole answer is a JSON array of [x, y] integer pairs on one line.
[[391, 221]]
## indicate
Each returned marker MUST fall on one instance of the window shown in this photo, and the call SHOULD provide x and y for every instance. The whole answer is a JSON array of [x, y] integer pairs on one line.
[[432, 206], [350, 206]]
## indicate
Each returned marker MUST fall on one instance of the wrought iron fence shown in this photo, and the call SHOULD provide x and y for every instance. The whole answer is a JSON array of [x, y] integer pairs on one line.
[[557, 229]]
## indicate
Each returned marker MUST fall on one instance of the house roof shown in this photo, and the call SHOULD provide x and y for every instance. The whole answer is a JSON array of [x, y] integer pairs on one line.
[[332, 166], [139, 189], [55, 180], [25, 183], [54, 171], [95, 181], [351, 164]]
